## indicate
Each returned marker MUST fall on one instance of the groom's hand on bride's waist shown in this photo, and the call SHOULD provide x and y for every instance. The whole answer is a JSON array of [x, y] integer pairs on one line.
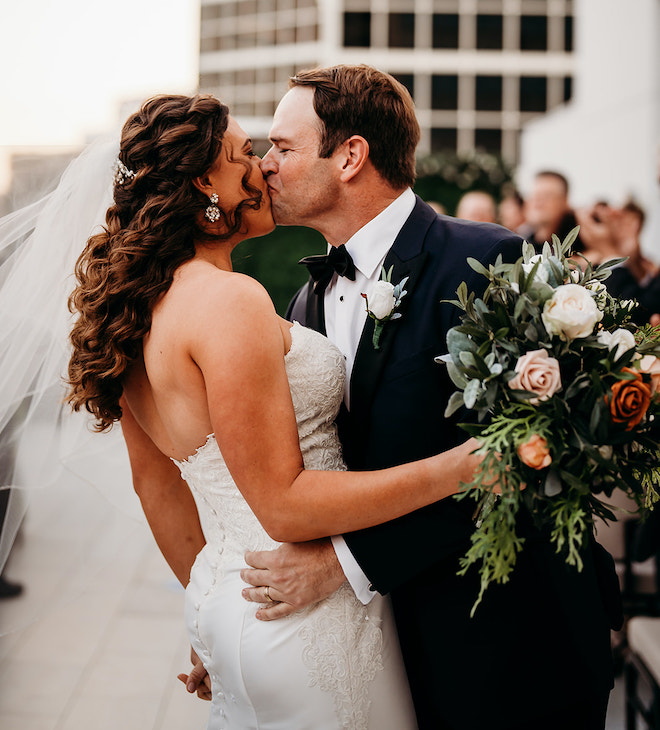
[[293, 576]]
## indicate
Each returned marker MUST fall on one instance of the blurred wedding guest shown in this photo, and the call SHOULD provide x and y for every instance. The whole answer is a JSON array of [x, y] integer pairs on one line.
[[439, 208], [608, 232], [478, 206], [547, 210], [511, 211]]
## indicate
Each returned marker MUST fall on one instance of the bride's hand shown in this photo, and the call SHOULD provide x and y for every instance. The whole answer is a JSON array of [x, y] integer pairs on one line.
[[198, 680]]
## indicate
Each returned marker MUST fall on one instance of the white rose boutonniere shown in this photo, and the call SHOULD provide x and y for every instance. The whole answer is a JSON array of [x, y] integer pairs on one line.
[[383, 298]]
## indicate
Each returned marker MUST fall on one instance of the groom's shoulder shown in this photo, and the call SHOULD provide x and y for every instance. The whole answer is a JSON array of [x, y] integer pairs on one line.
[[449, 239], [448, 232]]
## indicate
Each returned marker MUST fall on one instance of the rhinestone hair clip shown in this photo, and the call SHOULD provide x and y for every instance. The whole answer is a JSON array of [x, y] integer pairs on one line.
[[122, 173]]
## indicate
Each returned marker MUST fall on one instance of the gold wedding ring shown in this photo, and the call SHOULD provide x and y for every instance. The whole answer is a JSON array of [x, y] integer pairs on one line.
[[267, 594]]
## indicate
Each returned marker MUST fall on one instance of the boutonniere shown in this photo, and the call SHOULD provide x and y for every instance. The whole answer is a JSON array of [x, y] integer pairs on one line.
[[383, 298]]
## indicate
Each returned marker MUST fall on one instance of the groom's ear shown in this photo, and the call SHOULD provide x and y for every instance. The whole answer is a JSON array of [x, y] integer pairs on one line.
[[354, 154]]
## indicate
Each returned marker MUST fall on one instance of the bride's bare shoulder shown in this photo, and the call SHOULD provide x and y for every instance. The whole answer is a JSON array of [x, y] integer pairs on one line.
[[207, 292]]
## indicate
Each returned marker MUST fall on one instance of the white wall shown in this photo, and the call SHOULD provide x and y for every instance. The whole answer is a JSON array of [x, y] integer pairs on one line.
[[607, 139]]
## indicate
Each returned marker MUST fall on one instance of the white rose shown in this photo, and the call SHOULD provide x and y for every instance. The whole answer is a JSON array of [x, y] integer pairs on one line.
[[541, 272], [622, 339], [381, 299], [571, 312], [650, 364]]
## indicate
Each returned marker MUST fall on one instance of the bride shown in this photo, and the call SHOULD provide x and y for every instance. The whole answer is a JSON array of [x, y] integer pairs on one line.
[[209, 384]]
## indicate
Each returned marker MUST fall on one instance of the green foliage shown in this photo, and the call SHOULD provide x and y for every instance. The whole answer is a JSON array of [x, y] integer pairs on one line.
[[445, 177], [273, 260]]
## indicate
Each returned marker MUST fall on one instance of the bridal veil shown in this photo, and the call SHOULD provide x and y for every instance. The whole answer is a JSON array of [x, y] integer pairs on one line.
[[43, 443]]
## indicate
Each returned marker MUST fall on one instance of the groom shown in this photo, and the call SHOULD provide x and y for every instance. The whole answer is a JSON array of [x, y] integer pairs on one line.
[[536, 654]]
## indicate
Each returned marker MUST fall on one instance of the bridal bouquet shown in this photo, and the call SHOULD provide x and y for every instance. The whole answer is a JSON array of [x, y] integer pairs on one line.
[[565, 390]]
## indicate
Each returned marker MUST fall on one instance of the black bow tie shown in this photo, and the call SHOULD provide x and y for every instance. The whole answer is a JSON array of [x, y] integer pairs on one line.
[[322, 268]]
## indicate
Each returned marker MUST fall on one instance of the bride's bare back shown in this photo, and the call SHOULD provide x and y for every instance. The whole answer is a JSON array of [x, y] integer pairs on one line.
[[167, 392]]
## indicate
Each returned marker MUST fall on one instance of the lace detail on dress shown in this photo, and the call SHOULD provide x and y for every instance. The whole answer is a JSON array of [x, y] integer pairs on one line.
[[343, 642], [343, 654]]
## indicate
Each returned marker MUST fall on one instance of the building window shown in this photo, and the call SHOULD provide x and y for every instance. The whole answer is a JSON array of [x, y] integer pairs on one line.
[[306, 33], [488, 140], [266, 37], [568, 33], [408, 80], [533, 93], [445, 30], [568, 88], [210, 12], [246, 77], [285, 35], [209, 44], [443, 139], [489, 93], [266, 75], [444, 92], [357, 30], [489, 32], [246, 7], [533, 33], [246, 40], [209, 80], [401, 30]]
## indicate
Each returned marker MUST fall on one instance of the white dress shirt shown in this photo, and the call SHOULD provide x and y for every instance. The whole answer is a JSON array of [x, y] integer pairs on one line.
[[345, 317]]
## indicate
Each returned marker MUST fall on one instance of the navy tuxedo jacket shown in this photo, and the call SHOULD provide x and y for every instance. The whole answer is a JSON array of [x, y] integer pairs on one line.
[[546, 616]]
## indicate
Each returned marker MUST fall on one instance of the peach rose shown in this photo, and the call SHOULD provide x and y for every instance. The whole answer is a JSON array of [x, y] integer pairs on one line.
[[535, 453], [630, 400], [538, 372], [650, 365]]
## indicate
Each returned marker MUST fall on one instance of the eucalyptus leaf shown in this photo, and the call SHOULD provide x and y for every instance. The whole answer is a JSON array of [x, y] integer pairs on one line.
[[478, 267], [458, 342], [455, 402], [531, 333], [570, 240], [552, 486], [456, 375], [472, 392]]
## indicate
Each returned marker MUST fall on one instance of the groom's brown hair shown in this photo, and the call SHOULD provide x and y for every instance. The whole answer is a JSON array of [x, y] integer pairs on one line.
[[372, 104]]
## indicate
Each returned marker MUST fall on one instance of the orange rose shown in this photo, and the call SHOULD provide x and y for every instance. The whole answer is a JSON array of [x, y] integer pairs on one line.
[[535, 452], [630, 399]]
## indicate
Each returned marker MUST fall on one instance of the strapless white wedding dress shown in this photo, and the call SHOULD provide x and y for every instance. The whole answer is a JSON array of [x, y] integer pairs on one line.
[[335, 665]]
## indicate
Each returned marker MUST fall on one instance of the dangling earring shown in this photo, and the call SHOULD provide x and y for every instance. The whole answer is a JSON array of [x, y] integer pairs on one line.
[[213, 212]]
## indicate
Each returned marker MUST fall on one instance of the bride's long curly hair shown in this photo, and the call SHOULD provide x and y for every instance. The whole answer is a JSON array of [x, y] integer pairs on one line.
[[150, 230]]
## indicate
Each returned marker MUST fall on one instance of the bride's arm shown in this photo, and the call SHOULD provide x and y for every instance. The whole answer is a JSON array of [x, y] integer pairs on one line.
[[241, 355], [166, 500]]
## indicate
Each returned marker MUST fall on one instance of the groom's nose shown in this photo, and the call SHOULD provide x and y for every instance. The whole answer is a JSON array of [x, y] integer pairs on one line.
[[267, 163]]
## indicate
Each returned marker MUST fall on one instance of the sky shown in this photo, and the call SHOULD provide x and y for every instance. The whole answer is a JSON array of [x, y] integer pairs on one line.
[[69, 65]]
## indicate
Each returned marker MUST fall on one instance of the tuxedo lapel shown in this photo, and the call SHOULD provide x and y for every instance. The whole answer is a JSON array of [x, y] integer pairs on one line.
[[314, 309], [370, 361], [407, 258]]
